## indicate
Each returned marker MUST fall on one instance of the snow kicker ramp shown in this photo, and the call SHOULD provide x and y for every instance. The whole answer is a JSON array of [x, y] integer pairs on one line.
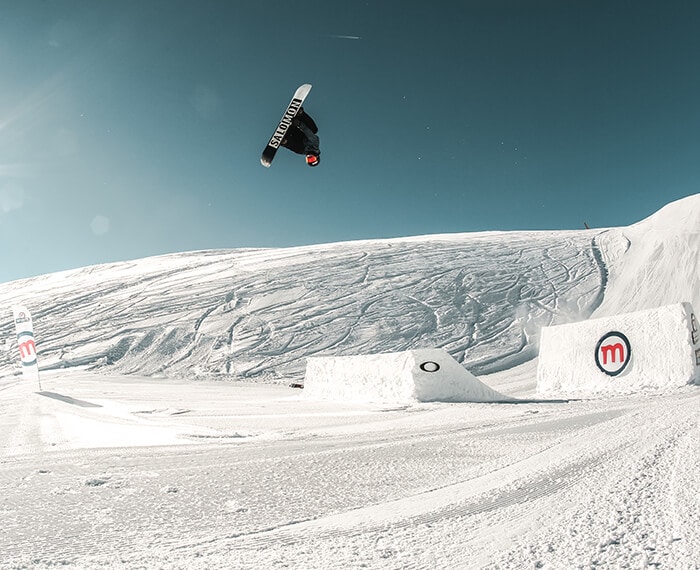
[[653, 350], [425, 375]]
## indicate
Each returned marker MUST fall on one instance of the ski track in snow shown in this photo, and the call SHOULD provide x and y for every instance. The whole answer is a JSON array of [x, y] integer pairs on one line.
[[261, 479]]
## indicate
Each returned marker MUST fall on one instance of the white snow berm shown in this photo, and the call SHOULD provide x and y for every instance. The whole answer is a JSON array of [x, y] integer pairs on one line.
[[656, 349], [424, 375]]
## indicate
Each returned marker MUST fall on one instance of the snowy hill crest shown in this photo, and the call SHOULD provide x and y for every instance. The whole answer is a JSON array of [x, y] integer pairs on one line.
[[257, 314]]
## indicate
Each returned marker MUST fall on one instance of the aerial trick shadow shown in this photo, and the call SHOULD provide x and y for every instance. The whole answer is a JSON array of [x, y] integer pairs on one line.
[[69, 400]]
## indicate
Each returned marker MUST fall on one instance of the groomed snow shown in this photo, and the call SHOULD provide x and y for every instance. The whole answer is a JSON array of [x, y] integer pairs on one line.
[[104, 472]]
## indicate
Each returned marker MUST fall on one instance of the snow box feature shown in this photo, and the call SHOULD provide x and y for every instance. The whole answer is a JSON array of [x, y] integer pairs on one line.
[[654, 349], [425, 375]]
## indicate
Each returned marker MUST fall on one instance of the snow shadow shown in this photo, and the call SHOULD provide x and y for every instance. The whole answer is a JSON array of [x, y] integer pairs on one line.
[[535, 401], [69, 400]]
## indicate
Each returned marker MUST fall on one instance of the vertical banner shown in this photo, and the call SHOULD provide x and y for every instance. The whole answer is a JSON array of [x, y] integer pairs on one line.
[[26, 343]]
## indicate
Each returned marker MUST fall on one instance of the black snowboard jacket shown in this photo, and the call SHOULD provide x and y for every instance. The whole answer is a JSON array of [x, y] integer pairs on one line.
[[295, 139]]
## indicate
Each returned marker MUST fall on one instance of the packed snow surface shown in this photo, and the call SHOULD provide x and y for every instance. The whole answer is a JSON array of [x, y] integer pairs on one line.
[[166, 435]]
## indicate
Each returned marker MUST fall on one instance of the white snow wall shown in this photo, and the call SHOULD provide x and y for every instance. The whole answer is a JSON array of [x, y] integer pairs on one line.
[[425, 375], [664, 352]]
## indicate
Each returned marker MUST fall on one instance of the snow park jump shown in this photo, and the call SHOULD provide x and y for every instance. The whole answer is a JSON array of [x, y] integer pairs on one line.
[[426, 375], [654, 350]]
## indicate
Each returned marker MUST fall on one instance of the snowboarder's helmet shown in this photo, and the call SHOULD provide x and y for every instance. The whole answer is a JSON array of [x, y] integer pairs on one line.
[[312, 159]]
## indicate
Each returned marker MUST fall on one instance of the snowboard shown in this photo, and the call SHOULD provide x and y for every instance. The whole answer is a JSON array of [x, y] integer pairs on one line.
[[281, 130]]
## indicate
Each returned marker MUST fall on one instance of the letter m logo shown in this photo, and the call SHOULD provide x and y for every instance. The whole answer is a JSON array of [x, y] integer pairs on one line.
[[612, 353], [27, 349]]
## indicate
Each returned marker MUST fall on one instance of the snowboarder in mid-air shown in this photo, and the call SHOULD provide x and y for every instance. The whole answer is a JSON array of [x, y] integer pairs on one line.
[[301, 138], [295, 131]]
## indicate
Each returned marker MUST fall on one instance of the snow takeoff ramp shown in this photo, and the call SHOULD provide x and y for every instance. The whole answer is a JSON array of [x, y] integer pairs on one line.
[[426, 375], [654, 350]]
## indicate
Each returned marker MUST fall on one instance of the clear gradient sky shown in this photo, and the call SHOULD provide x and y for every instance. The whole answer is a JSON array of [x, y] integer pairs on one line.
[[134, 128]]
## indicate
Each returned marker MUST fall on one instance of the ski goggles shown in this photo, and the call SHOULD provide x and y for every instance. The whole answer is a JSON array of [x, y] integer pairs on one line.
[[312, 159]]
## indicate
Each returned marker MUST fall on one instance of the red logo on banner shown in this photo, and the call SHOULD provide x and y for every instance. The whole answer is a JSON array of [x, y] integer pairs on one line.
[[27, 349]]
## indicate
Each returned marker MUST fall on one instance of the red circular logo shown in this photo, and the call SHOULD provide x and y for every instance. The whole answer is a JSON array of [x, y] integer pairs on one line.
[[27, 348], [612, 353]]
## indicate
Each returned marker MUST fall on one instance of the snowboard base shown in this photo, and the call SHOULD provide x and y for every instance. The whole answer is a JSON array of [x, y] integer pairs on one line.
[[278, 136]]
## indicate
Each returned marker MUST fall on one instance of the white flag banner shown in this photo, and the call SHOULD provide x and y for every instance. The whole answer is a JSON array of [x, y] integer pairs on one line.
[[26, 343]]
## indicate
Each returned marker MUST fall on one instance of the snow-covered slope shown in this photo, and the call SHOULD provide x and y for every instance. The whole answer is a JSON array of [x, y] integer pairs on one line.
[[655, 262], [100, 470], [258, 314]]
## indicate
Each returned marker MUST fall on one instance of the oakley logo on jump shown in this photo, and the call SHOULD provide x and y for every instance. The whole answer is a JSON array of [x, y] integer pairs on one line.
[[429, 366], [612, 353]]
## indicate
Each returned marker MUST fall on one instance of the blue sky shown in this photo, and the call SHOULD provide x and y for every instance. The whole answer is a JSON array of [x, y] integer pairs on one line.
[[134, 128]]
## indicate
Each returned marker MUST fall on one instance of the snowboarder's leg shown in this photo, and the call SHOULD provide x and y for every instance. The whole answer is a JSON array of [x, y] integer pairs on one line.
[[311, 143]]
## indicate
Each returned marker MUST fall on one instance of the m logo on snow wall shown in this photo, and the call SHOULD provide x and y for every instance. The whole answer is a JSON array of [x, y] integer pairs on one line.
[[612, 353], [593, 356]]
